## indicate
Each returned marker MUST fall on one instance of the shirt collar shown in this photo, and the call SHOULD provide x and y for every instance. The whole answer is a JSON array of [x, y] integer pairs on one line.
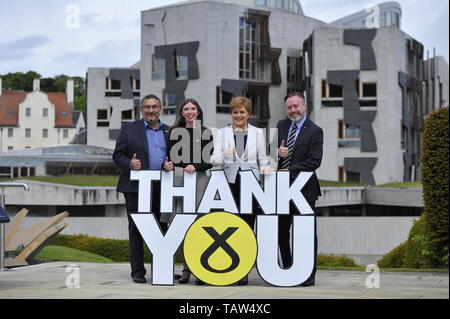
[[299, 124], [147, 126]]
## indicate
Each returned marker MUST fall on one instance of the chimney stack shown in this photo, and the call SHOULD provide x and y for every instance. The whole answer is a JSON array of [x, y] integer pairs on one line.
[[70, 87], [36, 85]]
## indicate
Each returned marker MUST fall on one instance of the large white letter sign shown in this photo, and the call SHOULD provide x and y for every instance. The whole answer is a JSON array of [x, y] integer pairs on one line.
[[302, 251], [250, 186], [145, 179], [217, 184], [285, 193], [187, 192], [163, 247]]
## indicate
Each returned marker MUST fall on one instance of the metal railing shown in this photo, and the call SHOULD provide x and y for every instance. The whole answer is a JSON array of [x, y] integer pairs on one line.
[[3, 226]]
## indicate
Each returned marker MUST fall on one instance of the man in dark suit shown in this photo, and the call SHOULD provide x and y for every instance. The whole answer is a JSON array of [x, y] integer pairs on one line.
[[300, 144], [141, 145]]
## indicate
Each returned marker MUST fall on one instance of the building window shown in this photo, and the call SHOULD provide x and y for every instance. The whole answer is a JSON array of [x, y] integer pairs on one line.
[[403, 133], [294, 70], [348, 135], [28, 132], [10, 112], [115, 85], [65, 133], [341, 174], [28, 112], [45, 112], [332, 95], [324, 89], [63, 113], [353, 177], [127, 116], [10, 148], [251, 65], [181, 67], [369, 90], [10, 132], [158, 68], [102, 118], [45, 133]]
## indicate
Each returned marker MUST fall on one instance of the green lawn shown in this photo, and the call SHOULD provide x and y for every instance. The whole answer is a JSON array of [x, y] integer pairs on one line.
[[58, 253], [402, 185], [76, 180], [339, 184]]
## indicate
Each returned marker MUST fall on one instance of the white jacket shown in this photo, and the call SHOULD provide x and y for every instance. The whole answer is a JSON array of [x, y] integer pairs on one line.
[[253, 158]]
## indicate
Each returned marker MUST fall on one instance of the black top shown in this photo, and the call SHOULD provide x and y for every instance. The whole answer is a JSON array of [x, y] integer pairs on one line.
[[240, 140], [196, 146]]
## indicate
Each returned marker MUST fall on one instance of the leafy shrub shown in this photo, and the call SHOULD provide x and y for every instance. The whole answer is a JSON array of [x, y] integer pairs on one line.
[[114, 249], [393, 259], [335, 261], [435, 170]]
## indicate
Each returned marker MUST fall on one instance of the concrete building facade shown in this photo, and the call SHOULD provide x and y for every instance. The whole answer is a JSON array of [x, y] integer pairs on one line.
[[113, 98], [366, 81]]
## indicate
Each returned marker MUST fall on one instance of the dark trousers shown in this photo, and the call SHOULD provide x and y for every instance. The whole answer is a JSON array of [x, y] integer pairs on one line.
[[284, 235], [236, 191], [136, 242]]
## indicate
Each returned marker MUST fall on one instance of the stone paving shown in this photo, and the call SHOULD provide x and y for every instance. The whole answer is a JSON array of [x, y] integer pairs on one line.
[[112, 281]]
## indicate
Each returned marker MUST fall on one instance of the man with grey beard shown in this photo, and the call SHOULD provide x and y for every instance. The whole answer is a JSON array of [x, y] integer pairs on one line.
[[300, 149]]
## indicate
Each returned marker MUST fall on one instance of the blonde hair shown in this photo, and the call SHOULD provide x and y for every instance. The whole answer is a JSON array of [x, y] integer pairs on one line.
[[241, 101]]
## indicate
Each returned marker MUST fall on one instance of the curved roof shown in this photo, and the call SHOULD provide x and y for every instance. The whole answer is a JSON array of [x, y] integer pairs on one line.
[[289, 5]]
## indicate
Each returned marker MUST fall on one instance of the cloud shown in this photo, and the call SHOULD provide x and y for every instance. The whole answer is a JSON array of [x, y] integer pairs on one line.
[[22, 48]]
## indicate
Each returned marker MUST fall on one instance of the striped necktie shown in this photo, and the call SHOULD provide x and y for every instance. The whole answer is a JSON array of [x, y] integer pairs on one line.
[[290, 146]]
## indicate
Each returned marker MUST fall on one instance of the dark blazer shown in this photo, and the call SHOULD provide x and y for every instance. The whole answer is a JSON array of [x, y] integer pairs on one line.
[[307, 156], [132, 139]]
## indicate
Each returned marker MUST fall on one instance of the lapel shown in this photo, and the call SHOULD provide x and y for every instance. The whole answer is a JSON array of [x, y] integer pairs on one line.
[[141, 129], [301, 134]]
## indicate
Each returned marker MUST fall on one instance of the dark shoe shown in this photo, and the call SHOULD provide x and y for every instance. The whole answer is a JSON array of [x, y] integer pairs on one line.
[[243, 281], [176, 277], [140, 280], [308, 283], [199, 282], [184, 279]]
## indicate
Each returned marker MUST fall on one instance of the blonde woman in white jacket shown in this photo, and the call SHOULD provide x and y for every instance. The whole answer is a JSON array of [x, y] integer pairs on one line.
[[241, 146]]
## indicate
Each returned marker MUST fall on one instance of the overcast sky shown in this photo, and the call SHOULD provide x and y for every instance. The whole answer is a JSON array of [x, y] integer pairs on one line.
[[43, 36]]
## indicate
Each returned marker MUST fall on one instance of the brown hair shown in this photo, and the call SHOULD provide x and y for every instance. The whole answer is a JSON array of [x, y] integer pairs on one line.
[[241, 101]]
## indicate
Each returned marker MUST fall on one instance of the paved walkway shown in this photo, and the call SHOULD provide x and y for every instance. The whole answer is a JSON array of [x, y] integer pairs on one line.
[[113, 281]]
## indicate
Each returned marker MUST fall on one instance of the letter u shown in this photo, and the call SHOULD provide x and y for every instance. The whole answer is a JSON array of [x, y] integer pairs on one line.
[[302, 251]]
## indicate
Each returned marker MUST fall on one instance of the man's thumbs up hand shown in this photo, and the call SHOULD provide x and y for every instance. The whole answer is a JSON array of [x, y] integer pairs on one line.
[[168, 165], [283, 151], [135, 163]]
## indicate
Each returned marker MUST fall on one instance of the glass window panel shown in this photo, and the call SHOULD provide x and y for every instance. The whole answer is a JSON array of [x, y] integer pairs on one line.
[[352, 131], [336, 91]]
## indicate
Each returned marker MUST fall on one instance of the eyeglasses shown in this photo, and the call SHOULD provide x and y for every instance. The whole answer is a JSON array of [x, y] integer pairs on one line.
[[147, 107]]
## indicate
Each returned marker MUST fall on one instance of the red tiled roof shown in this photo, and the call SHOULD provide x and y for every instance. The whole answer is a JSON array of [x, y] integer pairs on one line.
[[10, 100], [61, 108]]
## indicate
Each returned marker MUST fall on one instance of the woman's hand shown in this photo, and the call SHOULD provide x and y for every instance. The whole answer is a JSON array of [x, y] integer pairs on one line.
[[266, 170], [229, 153], [189, 169], [168, 165]]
